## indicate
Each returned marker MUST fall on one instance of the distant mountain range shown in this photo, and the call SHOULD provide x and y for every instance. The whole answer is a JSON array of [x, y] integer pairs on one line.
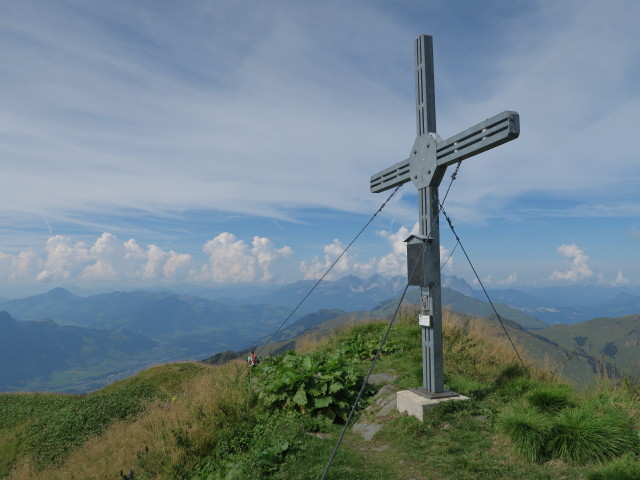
[[181, 327], [561, 306], [32, 353], [349, 293], [79, 342]]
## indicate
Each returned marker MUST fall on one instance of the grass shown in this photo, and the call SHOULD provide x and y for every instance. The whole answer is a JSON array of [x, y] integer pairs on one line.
[[623, 468], [529, 430], [582, 435], [552, 423], [551, 398], [196, 422]]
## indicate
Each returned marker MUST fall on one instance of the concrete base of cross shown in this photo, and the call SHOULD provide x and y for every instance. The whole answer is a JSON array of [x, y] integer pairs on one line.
[[416, 404]]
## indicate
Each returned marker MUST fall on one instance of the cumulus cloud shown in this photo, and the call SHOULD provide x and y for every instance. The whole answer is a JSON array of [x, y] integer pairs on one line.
[[579, 268], [64, 259], [109, 259], [232, 260], [620, 280], [316, 267], [447, 260], [24, 265], [266, 254], [395, 262], [391, 264]]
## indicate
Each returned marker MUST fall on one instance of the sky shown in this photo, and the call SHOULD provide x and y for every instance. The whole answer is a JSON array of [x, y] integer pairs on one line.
[[230, 143]]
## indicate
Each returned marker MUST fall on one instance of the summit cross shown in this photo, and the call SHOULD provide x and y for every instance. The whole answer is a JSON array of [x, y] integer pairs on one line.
[[425, 167]]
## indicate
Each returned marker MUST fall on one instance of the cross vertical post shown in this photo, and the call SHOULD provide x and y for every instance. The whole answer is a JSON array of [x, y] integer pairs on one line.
[[425, 167], [430, 292]]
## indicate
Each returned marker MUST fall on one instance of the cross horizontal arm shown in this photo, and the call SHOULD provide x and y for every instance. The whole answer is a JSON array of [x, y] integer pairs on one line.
[[390, 177], [484, 136]]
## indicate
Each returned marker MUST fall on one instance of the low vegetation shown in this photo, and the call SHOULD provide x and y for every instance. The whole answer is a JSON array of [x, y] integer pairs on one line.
[[282, 418]]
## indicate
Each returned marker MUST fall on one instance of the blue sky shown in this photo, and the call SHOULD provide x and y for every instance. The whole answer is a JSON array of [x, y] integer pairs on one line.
[[154, 143]]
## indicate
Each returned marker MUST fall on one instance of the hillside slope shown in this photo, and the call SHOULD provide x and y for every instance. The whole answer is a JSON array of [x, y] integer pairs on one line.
[[193, 422], [615, 340], [576, 367]]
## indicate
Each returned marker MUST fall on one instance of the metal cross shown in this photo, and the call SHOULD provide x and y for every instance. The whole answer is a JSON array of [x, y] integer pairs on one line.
[[425, 167]]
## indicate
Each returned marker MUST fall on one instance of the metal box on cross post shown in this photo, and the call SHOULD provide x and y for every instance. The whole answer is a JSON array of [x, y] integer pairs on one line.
[[418, 253]]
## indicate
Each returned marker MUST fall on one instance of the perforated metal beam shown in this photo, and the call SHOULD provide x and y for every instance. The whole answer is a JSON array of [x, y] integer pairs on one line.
[[495, 131], [484, 136]]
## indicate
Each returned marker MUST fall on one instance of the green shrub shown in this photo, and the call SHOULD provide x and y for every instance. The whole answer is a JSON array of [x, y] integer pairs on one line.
[[551, 398], [582, 435], [360, 347], [529, 430], [315, 384], [624, 468]]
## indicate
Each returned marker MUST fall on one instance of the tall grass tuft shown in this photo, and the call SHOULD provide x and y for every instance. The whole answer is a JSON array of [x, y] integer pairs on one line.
[[529, 430], [582, 435], [551, 398], [623, 468]]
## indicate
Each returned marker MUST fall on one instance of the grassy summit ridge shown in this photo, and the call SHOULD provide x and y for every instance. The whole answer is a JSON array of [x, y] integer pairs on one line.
[[199, 422]]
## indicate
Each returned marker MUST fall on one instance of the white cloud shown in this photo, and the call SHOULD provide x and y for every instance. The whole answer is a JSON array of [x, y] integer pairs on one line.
[[108, 260], [177, 265], [25, 265], [64, 259], [620, 280], [395, 262], [232, 260], [266, 254], [348, 264], [192, 113], [391, 264], [510, 280], [579, 268], [447, 260]]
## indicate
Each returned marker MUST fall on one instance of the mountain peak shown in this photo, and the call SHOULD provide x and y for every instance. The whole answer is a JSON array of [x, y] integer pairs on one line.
[[8, 325], [60, 293]]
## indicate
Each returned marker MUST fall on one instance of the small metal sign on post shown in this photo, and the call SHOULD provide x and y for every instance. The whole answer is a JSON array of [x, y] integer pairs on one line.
[[425, 167]]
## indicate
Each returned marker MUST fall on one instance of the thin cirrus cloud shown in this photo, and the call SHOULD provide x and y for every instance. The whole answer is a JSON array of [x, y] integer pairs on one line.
[[109, 123], [278, 110], [122, 120]]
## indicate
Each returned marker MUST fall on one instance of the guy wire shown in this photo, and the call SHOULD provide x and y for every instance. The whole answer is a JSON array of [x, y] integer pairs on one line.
[[384, 338], [480, 283], [366, 380], [329, 269]]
